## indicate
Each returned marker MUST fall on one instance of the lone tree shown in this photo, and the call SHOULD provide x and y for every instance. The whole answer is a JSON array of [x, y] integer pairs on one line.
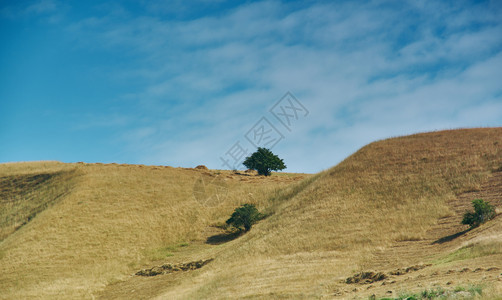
[[246, 216], [264, 161], [483, 211]]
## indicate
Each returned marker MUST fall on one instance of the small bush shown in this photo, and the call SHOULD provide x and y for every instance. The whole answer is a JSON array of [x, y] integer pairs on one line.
[[433, 294], [483, 212], [245, 216]]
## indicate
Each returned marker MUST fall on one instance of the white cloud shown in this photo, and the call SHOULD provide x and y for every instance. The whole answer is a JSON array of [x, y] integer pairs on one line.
[[365, 71], [49, 11], [40, 7]]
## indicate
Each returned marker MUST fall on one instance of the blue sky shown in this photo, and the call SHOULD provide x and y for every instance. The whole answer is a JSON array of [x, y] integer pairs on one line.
[[183, 83]]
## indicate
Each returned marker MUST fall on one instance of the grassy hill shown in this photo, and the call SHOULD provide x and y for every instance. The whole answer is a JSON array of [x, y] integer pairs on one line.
[[393, 207], [69, 230]]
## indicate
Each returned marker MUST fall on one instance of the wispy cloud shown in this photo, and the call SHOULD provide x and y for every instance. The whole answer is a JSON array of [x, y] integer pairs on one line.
[[40, 7], [392, 68], [49, 11], [205, 73]]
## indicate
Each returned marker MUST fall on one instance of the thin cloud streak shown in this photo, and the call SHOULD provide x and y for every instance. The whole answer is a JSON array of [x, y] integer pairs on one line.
[[332, 61], [365, 71]]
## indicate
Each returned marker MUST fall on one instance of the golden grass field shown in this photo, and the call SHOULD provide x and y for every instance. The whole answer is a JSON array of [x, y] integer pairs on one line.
[[81, 231]]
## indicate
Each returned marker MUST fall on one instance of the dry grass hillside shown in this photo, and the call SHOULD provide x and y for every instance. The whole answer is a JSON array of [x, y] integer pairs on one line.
[[393, 208], [393, 205], [68, 230]]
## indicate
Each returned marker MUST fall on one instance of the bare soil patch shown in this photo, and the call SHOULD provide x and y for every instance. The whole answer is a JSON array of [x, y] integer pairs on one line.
[[171, 268]]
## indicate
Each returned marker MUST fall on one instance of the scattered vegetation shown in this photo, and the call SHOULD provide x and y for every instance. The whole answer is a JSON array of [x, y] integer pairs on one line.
[[264, 161], [366, 277], [439, 293], [370, 277], [245, 216], [475, 250], [171, 268], [483, 211]]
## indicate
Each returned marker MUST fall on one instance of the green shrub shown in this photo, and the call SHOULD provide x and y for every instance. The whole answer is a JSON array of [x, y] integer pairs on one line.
[[483, 212], [245, 216], [433, 293]]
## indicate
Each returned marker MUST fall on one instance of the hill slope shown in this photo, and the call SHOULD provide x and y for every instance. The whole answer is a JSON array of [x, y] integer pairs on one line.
[[392, 205], [28, 189], [104, 222]]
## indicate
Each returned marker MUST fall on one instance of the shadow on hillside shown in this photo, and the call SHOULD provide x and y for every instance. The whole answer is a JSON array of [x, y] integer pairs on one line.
[[223, 237], [450, 237], [242, 174]]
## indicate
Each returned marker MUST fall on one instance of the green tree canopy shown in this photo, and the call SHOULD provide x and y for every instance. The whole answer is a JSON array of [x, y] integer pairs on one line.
[[264, 161]]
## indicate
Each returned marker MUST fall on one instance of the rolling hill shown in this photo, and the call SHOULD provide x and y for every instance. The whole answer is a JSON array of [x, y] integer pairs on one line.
[[389, 214]]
